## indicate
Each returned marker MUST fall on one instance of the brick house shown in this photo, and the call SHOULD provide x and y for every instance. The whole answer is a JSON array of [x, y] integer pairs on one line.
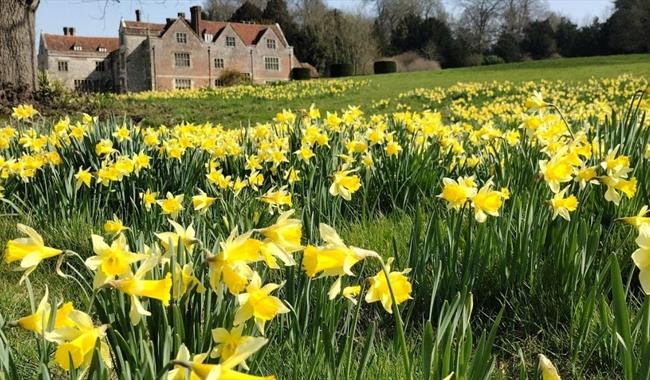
[[80, 63], [180, 53]]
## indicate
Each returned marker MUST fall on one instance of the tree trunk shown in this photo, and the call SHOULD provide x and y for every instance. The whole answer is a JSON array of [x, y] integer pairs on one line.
[[18, 43]]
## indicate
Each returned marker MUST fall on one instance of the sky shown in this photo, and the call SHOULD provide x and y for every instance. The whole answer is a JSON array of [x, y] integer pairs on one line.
[[101, 18]]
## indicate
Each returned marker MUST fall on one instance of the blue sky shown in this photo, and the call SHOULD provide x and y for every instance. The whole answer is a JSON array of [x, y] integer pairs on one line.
[[100, 18]]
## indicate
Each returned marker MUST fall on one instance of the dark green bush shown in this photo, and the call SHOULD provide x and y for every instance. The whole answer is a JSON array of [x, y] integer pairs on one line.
[[338, 70], [385, 67], [300, 73]]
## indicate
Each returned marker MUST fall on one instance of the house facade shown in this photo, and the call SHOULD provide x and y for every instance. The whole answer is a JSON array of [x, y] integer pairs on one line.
[[80, 63], [179, 54]]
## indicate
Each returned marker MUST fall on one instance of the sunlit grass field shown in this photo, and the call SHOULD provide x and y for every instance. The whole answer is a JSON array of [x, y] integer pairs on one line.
[[480, 223], [375, 88]]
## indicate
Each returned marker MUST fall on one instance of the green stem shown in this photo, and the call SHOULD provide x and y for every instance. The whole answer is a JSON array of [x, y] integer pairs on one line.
[[399, 326]]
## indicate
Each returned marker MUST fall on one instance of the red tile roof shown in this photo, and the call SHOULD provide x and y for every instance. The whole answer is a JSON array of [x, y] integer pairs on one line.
[[138, 27], [56, 42], [249, 33]]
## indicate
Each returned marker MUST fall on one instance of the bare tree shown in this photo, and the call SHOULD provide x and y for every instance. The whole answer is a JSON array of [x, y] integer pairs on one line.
[[481, 18], [307, 12], [222, 10], [517, 14], [17, 42]]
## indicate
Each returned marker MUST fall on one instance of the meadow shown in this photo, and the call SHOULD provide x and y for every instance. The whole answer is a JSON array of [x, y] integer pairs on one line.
[[485, 223]]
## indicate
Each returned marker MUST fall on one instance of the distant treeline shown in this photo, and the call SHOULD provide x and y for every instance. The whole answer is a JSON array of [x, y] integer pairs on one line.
[[481, 32]]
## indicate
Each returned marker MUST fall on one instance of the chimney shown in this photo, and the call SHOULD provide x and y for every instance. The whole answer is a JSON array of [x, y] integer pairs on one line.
[[71, 31], [169, 21], [65, 30], [137, 15], [195, 18], [181, 14]]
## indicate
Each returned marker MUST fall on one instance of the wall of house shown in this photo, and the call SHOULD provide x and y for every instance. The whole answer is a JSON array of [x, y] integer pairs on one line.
[[81, 67], [236, 58], [164, 50], [135, 73], [282, 52]]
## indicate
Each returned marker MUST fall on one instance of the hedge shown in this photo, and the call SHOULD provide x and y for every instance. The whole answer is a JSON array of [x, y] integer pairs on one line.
[[385, 67]]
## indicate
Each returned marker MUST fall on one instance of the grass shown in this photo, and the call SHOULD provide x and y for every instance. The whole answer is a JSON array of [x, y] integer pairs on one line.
[[539, 272], [241, 112]]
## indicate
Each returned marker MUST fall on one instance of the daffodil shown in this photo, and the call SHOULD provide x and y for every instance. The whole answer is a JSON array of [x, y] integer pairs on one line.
[[277, 199], [193, 367], [23, 112], [641, 256], [227, 343], [345, 184], [258, 303], [562, 205], [76, 345], [486, 202], [547, 369], [202, 202], [111, 261], [30, 250], [457, 193], [136, 286], [639, 219], [181, 235], [230, 265], [171, 205], [148, 199], [379, 287], [334, 259], [115, 226], [40, 320], [83, 177], [286, 232]]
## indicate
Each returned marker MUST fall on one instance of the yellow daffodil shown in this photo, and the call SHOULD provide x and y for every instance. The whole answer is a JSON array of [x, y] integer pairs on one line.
[[171, 205], [111, 261], [345, 184], [181, 235], [639, 219], [457, 193], [202, 202], [258, 303], [333, 259], [136, 286], [115, 226], [148, 199], [83, 177], [76, 345], [563, 206], [486, 202], [30, 250], [547, 369], [39, 321], [23, 112], [379, 287], [641, 256]]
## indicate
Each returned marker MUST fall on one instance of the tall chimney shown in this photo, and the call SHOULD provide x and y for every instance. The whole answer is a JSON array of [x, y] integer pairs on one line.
[[195, 18], [65, 30], [137, 15], [181, 14], [71, 31]]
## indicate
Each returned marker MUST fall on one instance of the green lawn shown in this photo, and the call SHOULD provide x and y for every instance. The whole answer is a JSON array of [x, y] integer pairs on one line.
[[239, 112]]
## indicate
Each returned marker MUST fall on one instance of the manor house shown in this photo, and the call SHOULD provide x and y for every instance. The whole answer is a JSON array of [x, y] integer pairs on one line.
[[179, 54]]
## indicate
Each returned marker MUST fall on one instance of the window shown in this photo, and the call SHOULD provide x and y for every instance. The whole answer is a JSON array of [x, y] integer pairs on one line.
[[99, 66], [219, 82], [270, 43], [86, 85], [218, 63], [101, 49], [207, 37], [63, 65], [272, 63], [181, 38], [182, 59], [183, 84], [246, 77], [77, 48], [230, 41]]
